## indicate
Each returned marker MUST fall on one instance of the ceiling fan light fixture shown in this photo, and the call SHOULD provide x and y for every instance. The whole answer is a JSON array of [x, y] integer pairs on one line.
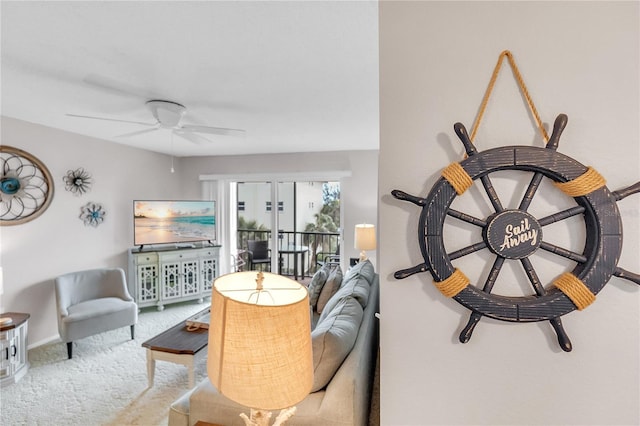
[[169, 114]]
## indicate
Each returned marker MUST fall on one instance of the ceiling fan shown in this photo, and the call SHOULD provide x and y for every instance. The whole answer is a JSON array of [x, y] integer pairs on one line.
[[169, 115]]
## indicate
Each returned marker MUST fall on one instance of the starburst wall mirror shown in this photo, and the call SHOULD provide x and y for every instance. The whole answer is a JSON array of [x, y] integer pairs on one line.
[[26, 186]]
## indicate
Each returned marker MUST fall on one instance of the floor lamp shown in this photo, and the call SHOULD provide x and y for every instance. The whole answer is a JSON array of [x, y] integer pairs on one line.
[[365, 239], [259, 352]]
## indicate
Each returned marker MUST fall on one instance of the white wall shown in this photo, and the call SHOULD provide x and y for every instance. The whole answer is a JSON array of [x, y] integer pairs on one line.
[[578, 58], [57, 242], [358, 189]]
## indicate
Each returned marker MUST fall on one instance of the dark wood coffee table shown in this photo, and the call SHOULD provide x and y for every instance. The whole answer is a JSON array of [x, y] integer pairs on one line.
[[177, 345]]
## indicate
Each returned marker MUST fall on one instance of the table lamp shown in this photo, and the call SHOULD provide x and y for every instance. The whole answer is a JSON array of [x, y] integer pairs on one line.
[[259, 352], [365, 239]]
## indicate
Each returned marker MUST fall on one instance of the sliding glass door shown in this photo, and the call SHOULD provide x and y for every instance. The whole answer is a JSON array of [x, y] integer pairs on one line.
[[307, 218]]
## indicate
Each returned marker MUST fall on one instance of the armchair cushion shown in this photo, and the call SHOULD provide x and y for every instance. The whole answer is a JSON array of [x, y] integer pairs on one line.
[[95, 308]]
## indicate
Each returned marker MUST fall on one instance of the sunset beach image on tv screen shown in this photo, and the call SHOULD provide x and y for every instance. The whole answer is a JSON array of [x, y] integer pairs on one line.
[[164, 222]]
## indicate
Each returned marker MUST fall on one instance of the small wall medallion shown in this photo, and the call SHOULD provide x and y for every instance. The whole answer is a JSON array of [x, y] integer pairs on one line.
[[92, 214], [77, 181]]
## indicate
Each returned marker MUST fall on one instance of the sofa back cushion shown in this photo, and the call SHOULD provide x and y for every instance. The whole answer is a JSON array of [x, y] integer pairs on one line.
[[357, 287], [333, 338], [330, 288], [363, 268]]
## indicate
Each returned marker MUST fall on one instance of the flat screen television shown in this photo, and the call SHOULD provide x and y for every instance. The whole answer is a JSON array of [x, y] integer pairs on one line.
[[173, 222]]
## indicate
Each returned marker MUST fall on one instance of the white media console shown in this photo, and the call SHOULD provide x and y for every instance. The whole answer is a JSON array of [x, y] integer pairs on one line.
[[160, 276]]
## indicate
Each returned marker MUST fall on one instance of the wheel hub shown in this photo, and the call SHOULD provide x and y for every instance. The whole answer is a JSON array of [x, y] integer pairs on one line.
[[513, 234]]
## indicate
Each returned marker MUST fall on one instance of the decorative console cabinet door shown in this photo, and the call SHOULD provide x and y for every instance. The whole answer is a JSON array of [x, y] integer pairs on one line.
[[179, 274], [208, 270], [166, 276], [146, 277], [13, 347]]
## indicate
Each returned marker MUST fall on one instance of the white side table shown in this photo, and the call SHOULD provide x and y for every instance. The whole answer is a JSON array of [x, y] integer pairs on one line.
[[13, 348]]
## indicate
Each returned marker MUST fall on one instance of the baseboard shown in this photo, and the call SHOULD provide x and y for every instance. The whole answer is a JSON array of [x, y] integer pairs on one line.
[[44, 342]]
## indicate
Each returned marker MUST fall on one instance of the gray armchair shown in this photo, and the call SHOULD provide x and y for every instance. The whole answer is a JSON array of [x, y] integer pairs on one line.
[[91, 302]]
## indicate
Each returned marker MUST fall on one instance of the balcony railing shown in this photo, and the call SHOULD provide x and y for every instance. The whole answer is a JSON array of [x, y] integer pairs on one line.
[[319, 244]]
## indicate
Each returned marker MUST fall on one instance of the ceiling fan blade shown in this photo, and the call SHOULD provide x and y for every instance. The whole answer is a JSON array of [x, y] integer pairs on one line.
[[111, 119], [136, 133], [192, 137], [213, 130]]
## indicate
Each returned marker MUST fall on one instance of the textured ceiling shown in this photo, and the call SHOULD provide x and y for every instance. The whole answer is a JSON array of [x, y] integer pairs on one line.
[[297, 76]]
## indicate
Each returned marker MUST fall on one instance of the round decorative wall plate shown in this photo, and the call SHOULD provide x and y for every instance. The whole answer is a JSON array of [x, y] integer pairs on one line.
[[92, 214], [26, 186], [516, 234], [77, 181]]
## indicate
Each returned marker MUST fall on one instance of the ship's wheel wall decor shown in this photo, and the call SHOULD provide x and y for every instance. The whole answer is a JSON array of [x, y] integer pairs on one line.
[[515, 234]]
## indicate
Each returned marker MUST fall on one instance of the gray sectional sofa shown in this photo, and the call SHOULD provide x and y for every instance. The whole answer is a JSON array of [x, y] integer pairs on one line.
[[345, 345]]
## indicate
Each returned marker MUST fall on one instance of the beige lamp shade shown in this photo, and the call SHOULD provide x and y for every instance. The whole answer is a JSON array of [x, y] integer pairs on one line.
[[365, 237], [259, 352]]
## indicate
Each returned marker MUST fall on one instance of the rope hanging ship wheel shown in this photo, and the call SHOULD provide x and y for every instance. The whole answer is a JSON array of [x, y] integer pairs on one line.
[[515, 234]]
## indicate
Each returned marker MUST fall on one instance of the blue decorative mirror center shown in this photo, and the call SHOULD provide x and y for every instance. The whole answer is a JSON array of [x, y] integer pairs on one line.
[[9, 185]]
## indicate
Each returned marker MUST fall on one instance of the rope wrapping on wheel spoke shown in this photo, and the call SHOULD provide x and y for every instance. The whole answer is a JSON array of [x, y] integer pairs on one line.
[[575, 290], [453, 285], [457, 177], [584, 184]]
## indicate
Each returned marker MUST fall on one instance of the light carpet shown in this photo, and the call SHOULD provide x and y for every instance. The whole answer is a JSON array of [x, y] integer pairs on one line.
[[105, 383]]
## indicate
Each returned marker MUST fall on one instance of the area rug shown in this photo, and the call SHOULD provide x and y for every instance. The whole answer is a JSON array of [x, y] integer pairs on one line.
[[105, 383]]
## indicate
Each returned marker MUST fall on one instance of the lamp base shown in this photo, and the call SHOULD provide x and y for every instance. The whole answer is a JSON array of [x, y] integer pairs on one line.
[[262, 417], [363, 256]]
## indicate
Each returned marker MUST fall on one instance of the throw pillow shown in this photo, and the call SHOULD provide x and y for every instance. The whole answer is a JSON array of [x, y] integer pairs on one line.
[[330, 288], [333, 339], [315, 285], [363, 268]]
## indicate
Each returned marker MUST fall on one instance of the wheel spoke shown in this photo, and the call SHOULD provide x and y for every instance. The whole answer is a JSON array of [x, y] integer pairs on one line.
[[466, 218], [531, 191], [577, 257], [474, 318], [621, 273], [493, 274], [625, 192], [556, 323], [491, 192], [404, 273], [401, 195], [563, 338], [565, 214], [533, 276], [467, 250]]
